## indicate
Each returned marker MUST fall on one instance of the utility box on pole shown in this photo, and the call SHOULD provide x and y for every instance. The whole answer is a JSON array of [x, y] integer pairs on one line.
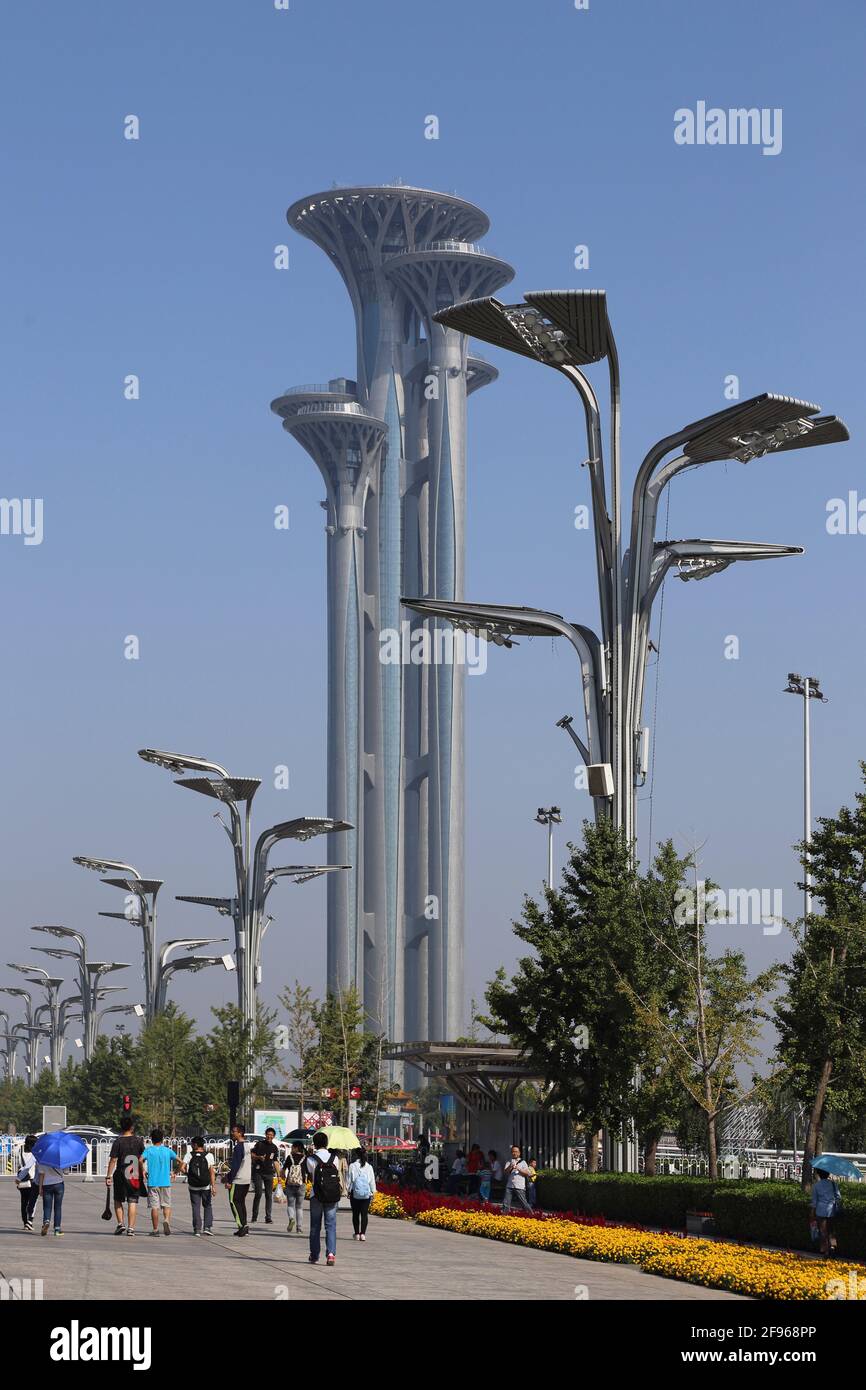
[[53, 1117]]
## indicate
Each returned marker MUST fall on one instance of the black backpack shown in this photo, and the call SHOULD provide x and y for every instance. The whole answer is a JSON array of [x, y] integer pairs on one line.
[[199, 1171], [327, 1187]]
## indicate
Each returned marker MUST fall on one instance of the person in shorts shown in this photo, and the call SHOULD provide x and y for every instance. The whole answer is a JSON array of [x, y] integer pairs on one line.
[[157, 1160], [124, 1174]]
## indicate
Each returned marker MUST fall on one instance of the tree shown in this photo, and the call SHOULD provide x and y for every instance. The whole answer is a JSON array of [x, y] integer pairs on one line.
[[301, 1033], [98, 1085], [238, 1051], [821, 1019], [165, 1078], [713, 1027], [343, 1053], [563, 1007]]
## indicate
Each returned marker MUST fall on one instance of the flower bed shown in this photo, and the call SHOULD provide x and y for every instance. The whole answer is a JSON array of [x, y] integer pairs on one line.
[[413, 1202], [740, 1269]]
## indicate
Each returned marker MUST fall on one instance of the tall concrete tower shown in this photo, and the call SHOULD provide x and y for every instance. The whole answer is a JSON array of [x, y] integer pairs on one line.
[[402, 253]]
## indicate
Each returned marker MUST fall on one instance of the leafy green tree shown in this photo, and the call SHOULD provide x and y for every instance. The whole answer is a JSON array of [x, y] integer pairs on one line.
[[236, 1051], [564, 1006], [301, 1032], [165, 1079], [96, 1087], [344, 1054], [822, 1019]]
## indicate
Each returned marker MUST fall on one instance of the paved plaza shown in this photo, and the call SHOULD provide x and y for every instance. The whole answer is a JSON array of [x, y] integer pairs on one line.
[[399, 1261]]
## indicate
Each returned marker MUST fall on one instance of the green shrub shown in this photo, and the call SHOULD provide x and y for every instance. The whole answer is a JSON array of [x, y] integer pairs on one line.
[[768, 1213], [626, 1196]]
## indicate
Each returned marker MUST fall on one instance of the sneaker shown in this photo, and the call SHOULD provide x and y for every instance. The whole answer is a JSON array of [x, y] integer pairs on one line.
[[269, 1221], [118, 1230], [291, 1225], [58, 1233], [130, 1232], [208, 1233], [331, 1260], [28, 1225], [362, 1237], [312, 1261], [154, 1233], [197, 1235], [244, 1231], [166, 1228], [44, 1230]]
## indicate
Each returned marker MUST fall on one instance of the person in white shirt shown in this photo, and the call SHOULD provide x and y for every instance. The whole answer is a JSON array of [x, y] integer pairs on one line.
[[516, 1173], [27, 1183], [362, 1189]]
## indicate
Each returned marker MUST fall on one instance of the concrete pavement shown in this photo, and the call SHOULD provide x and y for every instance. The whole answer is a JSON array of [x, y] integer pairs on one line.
[[399, 1261]]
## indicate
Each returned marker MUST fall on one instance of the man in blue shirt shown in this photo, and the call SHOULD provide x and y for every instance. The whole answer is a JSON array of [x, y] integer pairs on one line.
[[156, 1162]]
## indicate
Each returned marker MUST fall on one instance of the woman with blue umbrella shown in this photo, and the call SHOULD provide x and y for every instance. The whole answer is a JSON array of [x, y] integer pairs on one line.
[[826, 1197], [54, 1154]]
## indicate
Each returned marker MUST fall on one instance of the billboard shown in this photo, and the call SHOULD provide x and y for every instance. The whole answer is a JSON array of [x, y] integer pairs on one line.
[[283, 1121]]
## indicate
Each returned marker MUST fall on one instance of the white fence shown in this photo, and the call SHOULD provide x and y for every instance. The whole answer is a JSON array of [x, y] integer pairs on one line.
[[95, 1163]]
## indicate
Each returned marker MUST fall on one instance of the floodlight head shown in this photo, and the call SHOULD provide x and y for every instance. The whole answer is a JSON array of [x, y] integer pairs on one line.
[[57, 931], [26, 969], [230, 789], [224, 906], [104, 866], [558, 328], [761, 425], [307, 828], [180, 762], [14, 989], [492, 622]]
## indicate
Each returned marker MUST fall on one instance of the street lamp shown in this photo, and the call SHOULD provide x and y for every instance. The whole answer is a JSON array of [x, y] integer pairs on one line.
[[809, 688], [549, 816], [252, 881], [144, 891], [52, 985], [568, 330]]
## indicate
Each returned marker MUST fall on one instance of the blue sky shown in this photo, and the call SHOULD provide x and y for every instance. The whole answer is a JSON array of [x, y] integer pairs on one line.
[[155, 257]]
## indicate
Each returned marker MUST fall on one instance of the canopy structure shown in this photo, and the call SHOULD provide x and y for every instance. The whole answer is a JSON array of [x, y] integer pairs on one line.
[[473, 1072]]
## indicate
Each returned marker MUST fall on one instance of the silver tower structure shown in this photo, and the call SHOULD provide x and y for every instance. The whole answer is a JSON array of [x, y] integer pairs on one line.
[[403, 253]]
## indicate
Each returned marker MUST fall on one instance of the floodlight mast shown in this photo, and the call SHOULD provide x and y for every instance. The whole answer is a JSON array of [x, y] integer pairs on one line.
[[809, 687], [567, 330], [246, 908]]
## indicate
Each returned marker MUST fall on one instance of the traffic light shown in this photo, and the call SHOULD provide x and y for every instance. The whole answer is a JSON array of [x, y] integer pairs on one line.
[[355, 1092], [127, 1104]]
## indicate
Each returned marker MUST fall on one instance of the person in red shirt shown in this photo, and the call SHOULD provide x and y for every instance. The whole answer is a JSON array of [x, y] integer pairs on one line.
[[474, 1164]]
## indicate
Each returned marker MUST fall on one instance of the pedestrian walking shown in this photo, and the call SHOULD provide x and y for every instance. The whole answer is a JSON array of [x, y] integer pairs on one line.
[[265, 1156], [362, 1190], [239, 1178], [51, 1189], [27, 1182], [125, 1175], [516, 1173], [296, 1187], [325, 1198], [201, 1185], [826, 1206], [157, 1160]]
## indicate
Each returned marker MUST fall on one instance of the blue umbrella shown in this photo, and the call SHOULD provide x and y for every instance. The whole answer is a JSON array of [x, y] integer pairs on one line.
[[839, 1167], [59, 1149]]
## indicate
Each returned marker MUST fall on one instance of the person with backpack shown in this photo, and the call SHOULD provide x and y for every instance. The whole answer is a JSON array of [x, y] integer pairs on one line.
[[296, 1188], [362, 1190], [27, 1183], [201, 1185], [325, 1198]]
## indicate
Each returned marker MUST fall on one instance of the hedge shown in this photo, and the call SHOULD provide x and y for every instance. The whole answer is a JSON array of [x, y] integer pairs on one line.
[[769, 1213], [625, 1196]]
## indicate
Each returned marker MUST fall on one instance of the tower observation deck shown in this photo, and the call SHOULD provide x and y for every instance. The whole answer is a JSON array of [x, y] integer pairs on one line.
[[392, 450]]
